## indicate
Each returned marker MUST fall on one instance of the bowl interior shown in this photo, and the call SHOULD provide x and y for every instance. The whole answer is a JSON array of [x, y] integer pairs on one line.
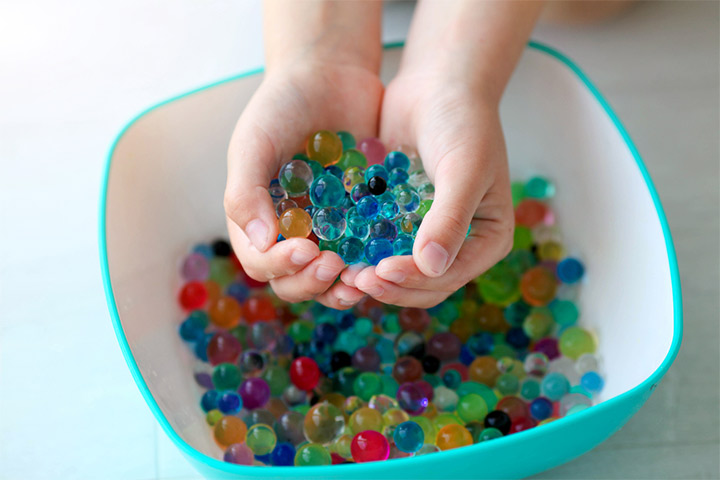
[[165, 191]]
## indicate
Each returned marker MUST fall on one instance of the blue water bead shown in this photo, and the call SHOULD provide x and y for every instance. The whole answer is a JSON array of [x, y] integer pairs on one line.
[[389, 210], [592, 382], [359, 191], [541, 408], [326, 332], [395, 160], [481, 343], [570, 270], [554, 385], [386, 348], [409, 436], [368, 207], [377, 249], [516, 337], [329, 223], [407, 198], [284, 344], [229, 403], [201, 346], [516, 312], [204, 250], [209, 400], [403, 244], [383, 228], [193, 327], [239, 291], [346, 203], [280, 238], [327, 191], [466, 356], [283, 455], [266, 459], [335, 171], [376, 171], [397, 176], [357, 227], [346, 321], [351, 250]]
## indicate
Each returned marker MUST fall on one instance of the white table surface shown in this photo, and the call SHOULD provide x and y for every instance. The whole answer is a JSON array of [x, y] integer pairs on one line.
[[73, 73]]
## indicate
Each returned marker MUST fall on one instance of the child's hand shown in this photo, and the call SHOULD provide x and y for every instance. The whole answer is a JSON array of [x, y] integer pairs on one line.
[[293, 100], [458, 134]]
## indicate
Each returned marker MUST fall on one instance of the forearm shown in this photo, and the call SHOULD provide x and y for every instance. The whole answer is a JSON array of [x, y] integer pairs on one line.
[[478, 42], [341, 31]]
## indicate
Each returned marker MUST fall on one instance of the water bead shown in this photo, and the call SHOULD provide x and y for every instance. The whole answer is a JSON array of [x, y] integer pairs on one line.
[[550, 251], [383, 228], [538, 286], [410, 222], [352, 177], [377, 249], [368, 207], [359, 191], [570, 270], [366, 418], [367, 385], [409, 437], [347, 139], [229, 430], [295, 177], [389, 210], [193, 295], [453, 436], [324, 147], [261, 439], [530, 212], [329, 223], [327, 191], [397, 177], [564, 312], [289, 427], [554, 385], [259, 308], [397, 159], [539, 187], [239, 454], [538, 323], [283, 455], [366, 359], [499, 420], [195, 267], [507, 384], [576, 341], [373, 149], [407, 369], [226, 376], [592, 382], [369, 446], [571, 401], [323, 423], [255, 393], [412, 399], [304, 373], [251, 363], [499, 285], [352, 158], [587, 362], [376, 177], [229, 403], [445, 346], [193, 327], [312, 454], [403, 244]]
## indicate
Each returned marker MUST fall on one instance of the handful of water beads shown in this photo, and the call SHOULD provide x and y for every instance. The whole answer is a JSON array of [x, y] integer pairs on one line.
[[358, 200], [301, 384]]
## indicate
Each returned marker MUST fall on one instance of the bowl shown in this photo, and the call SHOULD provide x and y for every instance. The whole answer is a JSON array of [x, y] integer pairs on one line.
[[163, 192]]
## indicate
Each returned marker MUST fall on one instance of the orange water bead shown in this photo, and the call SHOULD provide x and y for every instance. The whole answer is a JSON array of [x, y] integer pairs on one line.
[[303, 201], [453, 436], [214, 291], [407, 369], [484, 370], [225, 312], [229, 430], [538, 286], [259, 308], [490, 318], [295, 222], [464, 328], [325, 147], [530, 213], [514, 407], [276, 406]]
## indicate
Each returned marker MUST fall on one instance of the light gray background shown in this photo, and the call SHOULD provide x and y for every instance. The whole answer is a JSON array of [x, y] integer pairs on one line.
[[73, 73]]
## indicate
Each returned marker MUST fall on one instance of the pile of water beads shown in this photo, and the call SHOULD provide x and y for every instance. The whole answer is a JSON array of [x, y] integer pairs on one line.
[[302, 384], [358, 200]]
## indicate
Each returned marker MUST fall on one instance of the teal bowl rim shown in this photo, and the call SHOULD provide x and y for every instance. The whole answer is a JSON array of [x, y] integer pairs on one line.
[[372, 469]]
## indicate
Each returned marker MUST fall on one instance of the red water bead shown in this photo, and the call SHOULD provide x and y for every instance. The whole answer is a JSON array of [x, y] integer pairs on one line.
[[366, 305], [445, 346], [415, 319], [462, 370], [304, 373], [223, 348], [193, 295], [252, 283], [514, 407], [427, 390], [259, 309], [313, 238], [303, 201], [538, 286], [407, 369], [285, 315], [336, 459], [521, 424], [225, 312], [369, 446], [548, 346], [529, 213], [236, 263]]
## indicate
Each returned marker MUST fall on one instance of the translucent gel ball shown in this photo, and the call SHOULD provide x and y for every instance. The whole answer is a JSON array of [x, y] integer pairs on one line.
[[295, 177], [261, 439], [453, 436], [365, 418], [229, 430], [324, 147], [472, 408], [369, 446], [312, 454], [576, 341], [239, 453], [327, 191], [323, 423], [329, 223]]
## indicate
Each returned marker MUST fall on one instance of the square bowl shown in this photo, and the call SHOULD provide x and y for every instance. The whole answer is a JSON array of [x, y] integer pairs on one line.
[[163, 192]]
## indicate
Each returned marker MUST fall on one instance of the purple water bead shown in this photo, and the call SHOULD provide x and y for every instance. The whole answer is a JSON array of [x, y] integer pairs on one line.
[[195, 268], [366, 359], [204, 379], [255, 393], [240, 454], [373, 149], [427, 390], [445, 346], [412, 399], [548, 346]]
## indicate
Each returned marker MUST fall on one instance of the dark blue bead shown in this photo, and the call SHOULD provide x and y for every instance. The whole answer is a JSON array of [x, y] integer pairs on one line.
[[239, 291], [302, 350], [192, 329], [516, 338], [283, 455], [541, 408], [334, 170], [325, 332], [346, 321], [229, 403], [570, 270], [209, 400], [481, 343], [284, 344], [466, 357], [266, 459]]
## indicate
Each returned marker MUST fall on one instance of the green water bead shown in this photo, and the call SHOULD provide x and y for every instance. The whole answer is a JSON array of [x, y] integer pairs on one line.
[[389, 385], [316, 168], [538, 323], [529, 389], [352, 158], [329, 245], [226, 376], [503, 350], [301, 331], [507, 384], [277, 379], [424, 207], [448, 313], [366, 385], [363, 326], [481, 389], [499, 285], [261, 439], [518, 261], [240, 332], [446, 418], [213, 416], [222, 271], [347, 139], [345, 380], [390, 323], [565, 312], [575, 341], [312, 454], [427, 425], [539, 187], [472, 408], [487, 434], [518, 192], [303, 409], [522, 238], [433, 380]]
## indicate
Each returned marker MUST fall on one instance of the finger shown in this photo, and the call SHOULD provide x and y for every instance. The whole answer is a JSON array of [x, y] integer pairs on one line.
[[489, 242], [368, 282], [251, 165], [284, 258], [340, 296], [311, 281], [348, 275]]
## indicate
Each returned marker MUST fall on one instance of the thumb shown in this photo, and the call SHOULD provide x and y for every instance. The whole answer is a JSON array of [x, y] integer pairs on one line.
[[458, 193], [251, 165]]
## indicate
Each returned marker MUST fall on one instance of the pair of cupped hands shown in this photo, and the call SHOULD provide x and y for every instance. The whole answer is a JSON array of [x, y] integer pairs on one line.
[[456, 130]]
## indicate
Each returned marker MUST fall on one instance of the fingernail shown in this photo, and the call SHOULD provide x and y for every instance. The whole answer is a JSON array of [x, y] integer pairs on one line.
[[395, 276], [257, 232], [374, 291], [325, 273], [302, 257], [435, 257], [345, 303]]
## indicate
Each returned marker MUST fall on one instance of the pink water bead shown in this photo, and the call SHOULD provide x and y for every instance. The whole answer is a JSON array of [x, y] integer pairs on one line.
[[373, 149], [240, 454], [195, 268]]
